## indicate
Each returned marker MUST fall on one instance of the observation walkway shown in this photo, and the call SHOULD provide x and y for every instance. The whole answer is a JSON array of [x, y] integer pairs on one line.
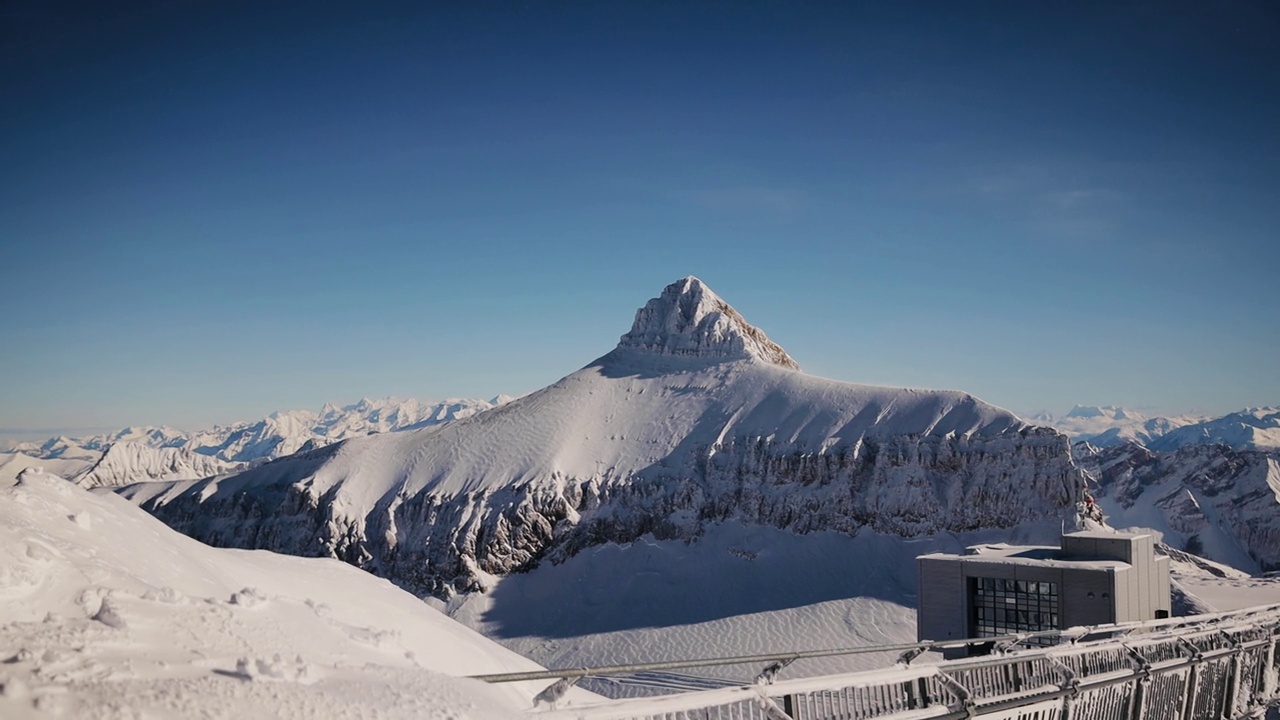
[[1221, 665]]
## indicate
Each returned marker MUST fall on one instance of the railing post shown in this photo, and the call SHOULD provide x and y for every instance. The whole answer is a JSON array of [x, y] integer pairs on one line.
[[1193, 679], [1189, 693], [961, 692], [1138, 698], [1270, 670], [1233, 685]]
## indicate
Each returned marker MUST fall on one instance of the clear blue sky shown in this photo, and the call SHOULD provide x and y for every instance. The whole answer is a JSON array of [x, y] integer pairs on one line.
[[211, 210]]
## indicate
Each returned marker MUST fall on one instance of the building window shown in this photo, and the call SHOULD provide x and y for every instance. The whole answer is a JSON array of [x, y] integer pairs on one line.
[[1006, 607]]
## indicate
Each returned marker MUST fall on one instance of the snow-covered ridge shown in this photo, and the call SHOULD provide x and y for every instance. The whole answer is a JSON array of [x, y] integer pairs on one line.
[[129, 462], [672, 431], [688, 319]]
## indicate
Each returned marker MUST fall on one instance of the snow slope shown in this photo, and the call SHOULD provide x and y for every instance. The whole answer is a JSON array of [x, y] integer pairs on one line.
[[695, 418], [65, 448], [107, 613]]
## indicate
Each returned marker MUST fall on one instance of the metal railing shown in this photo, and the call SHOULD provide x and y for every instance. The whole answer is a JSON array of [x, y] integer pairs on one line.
[[1221, 665]]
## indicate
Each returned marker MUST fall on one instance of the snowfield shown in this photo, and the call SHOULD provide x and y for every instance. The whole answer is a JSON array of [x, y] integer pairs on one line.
[[107, 613]]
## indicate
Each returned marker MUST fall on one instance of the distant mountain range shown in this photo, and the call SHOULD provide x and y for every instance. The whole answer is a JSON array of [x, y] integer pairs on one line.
[[137, 454], [1110, 425]]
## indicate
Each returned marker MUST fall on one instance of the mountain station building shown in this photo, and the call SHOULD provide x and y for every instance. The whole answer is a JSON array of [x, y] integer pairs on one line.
[[1093, 578]]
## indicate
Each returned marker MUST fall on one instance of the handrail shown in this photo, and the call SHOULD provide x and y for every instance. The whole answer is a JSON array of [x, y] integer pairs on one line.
[[1077, 632], [961, 699]]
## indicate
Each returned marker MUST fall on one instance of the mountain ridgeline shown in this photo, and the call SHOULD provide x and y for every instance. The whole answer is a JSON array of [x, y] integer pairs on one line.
[[695, 418]]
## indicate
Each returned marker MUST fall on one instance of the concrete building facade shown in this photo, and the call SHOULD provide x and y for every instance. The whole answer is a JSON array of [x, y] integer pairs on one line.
[[1093, 578]]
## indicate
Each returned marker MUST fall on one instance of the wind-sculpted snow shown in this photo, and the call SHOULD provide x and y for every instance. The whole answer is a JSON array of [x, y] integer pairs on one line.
[[640, 442], [1210, 500], [106, 613]]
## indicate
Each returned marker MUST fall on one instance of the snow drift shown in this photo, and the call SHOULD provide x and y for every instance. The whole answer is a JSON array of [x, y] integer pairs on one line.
[[105, 612]]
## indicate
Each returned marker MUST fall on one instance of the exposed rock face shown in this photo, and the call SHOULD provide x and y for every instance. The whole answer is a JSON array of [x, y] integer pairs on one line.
[[1210, 500], [690, 320], [438, 544], [696, 418]]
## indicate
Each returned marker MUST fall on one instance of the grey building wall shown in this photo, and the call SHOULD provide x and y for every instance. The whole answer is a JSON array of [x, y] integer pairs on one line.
[[1088, 595], [1082, 596], [1164, 592], [1120, 599], [942, 599]]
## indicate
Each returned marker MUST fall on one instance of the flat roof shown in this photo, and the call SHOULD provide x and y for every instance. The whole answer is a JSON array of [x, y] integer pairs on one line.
[[1025, 555], [1100, 535], [1029, 561]]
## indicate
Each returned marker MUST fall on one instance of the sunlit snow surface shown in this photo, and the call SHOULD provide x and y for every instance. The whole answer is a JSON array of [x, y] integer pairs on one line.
[[105, 612]]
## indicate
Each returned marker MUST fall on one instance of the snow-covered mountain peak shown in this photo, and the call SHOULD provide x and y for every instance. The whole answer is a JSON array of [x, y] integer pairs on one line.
[[1111, 412], [688, 319]]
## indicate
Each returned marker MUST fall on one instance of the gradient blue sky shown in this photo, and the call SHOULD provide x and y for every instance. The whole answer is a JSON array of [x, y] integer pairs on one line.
[[212, 210]]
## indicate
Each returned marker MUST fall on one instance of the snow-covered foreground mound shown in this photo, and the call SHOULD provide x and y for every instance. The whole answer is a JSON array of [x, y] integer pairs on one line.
[[694, 418], [105, 612]]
